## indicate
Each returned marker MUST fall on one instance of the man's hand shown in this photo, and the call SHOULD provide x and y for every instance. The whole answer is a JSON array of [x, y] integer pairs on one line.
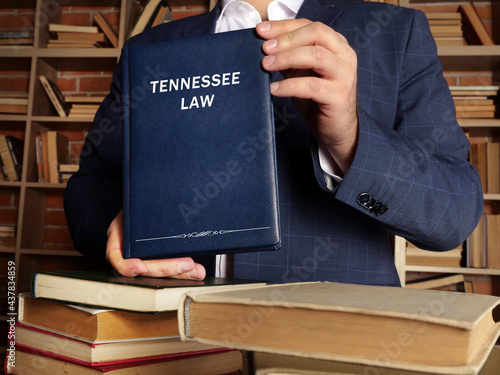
[[320, 70], [182, 268]]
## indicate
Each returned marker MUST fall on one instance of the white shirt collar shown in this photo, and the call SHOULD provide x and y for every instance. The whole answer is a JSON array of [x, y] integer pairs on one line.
[[238, 14]]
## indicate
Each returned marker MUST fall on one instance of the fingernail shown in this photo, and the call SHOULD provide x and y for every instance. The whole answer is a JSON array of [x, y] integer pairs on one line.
[[270, 44], [274, 86], [264, 26], [195, 274], [137, 271], [185, 266], [269, 60]]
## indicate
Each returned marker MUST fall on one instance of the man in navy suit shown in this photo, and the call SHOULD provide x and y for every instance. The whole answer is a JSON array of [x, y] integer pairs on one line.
[[367, 145]]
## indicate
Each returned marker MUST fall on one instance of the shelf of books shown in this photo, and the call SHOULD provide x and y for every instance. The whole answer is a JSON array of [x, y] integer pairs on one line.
[[56, 64], [465, 35]]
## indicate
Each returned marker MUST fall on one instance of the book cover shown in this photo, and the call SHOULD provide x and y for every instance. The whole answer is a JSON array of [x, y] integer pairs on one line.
[[94, 324], [436, 331], [199, 148], [55, 95], [217, 361], [106, 290], [102, 353]]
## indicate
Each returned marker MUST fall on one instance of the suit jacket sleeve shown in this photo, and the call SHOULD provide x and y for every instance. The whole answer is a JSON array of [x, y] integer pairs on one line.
[[414, 166], [93, 196]]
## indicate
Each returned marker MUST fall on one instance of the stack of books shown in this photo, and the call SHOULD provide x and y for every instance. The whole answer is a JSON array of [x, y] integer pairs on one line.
[[71, 106], [335, 328], [11, 158], [419, 257], [13, 38], [66, 171], [71, 36], [7, 235], [86, 323], [52, 150], [483, 245], [83, 106], [446, 28], [475, 101], [14, 104]]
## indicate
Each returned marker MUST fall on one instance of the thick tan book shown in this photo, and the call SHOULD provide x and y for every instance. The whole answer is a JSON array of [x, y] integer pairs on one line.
[[55, 95], [136, 294], [444, 332], [476, 245], [493, 167], [477, 157], [81, 37], [419, 257], [103, 352], [259, 363], [55, 27], [202, 363], [57, 153], [493, 241], [443, 15], [436, 282], [94, 324]]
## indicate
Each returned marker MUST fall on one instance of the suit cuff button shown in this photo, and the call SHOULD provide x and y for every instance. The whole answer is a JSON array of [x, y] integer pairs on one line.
[[366, 200]]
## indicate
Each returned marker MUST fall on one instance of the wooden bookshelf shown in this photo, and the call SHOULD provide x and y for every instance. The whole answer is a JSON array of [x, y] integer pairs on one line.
[[28, 203], [466, 58]]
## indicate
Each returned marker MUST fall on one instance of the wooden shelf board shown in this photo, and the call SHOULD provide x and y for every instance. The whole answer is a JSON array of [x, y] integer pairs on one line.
[[10, 184], [45, 185], [479, 123], [74, 53], [17, 51], [463, 270], [12, 118], [64, 123], [492, 197]]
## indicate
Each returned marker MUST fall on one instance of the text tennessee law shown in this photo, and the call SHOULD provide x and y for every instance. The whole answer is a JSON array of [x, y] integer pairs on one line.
[[193, 83]]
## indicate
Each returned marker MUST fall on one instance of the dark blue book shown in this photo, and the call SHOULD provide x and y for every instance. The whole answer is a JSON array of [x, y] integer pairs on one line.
[[199, 149]]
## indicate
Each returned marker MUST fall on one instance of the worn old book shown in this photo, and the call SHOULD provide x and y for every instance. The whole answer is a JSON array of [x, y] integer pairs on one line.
[[435, 331], [493, 167], [57, 153], [203, 363], [11, 155], [477, 156], [259, 363], [55, 95], [94, 324], [104, 289], [199, 148], [493, 241], [56, 27], [104, 352]]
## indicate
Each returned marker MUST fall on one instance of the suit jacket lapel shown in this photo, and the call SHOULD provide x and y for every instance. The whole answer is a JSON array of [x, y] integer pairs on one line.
[[324, 11]]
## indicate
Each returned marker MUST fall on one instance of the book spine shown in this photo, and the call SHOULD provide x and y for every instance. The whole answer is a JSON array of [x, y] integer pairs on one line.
[[126, 153], [53, 98]]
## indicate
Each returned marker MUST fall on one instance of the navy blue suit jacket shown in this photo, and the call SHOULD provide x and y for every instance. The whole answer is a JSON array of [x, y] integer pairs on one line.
[[410, 176]]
